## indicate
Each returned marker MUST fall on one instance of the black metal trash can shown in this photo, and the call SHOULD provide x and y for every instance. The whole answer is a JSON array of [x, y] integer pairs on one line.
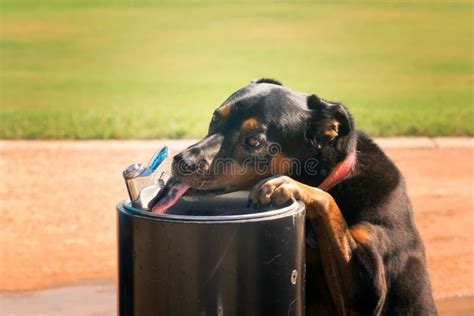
[[211, 257]]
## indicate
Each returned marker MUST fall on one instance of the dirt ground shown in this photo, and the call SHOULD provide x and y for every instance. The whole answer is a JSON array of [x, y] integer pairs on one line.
[[57, 208]]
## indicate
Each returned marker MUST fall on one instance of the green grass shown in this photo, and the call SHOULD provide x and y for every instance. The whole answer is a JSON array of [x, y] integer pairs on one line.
[[150, 69]]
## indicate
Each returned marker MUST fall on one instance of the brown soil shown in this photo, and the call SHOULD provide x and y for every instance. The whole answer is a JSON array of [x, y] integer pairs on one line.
[[57, 209]]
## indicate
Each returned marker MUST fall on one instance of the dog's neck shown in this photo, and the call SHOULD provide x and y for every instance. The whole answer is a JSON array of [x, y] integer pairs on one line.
[[340, 172]]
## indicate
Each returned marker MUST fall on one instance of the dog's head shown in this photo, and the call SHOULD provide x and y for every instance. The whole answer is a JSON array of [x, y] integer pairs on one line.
[[266, 129]]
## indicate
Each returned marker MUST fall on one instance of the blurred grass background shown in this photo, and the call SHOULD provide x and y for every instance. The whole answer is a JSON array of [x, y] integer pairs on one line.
[[82, 69]]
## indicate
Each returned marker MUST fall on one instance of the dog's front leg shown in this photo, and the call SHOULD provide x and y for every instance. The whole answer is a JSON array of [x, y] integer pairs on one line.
[[338, 245]]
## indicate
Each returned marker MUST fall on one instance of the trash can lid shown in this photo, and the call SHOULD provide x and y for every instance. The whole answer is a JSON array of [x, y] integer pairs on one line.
[[220, 208]]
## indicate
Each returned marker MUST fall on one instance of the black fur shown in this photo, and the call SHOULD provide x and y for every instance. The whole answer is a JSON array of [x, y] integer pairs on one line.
[[269, 80], [376, 193]]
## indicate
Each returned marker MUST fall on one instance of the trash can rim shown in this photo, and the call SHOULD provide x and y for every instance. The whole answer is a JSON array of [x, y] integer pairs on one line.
[[293, 208]]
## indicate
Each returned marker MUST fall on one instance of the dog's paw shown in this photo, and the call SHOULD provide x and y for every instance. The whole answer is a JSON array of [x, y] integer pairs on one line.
[[277, 190], [281, 189]]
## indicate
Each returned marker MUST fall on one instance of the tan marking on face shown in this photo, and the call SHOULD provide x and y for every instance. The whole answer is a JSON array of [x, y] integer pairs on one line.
[[250, 124], [330, 127], [234, 175], [280, 164], [360, 233], [224, 110]]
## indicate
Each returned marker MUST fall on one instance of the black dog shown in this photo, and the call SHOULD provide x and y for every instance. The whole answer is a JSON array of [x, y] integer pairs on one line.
[[364, 254]]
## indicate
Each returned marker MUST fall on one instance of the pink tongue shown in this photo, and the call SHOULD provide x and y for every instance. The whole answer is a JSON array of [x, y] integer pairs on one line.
[[172, 195]]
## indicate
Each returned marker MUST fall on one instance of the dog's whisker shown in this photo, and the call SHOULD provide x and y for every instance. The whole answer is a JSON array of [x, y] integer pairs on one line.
[[202, 184]]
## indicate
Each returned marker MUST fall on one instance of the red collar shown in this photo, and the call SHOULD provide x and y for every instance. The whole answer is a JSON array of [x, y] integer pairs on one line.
[[339, 172]]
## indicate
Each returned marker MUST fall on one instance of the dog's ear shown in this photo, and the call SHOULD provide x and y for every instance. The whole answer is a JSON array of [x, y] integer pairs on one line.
[[268, 80], [328, 122]]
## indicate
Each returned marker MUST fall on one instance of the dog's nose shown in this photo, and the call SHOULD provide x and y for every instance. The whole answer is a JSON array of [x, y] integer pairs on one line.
[[183, 165]]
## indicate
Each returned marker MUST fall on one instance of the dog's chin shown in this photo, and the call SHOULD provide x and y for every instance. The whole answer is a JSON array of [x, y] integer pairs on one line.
[[193, 194]]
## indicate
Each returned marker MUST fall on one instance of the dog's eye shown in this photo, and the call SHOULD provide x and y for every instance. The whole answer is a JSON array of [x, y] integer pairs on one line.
[[252, 142]]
